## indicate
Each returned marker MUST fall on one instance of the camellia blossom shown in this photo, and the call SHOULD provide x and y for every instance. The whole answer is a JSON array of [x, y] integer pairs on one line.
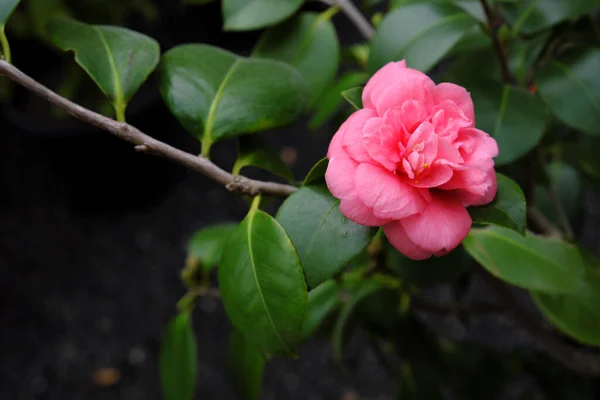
[[411, 161]]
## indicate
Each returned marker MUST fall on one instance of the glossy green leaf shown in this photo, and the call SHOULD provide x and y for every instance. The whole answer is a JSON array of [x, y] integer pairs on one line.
[[262, 285], [324, 238], [363, 289], [473, 7], [246, 366], [428, 272], [566, 185], [520, 124], [531, 262], [571, 89], [330, 101], [217, 94], [178, 359], [508, 209], [322, 301], [354, 97], [246, 15], [577, 314], [205, 246], [420, 33], [317, 172], [530, 16], [117, 59], [254, 152], [523, 55], [310, 44], [6, 9]]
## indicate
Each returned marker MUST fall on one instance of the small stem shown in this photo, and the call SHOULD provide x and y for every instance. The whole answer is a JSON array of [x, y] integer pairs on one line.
[[5, 46], [120, 111], [255, 203], [494, 26], [542, 223], [205, 145], [355, 16]]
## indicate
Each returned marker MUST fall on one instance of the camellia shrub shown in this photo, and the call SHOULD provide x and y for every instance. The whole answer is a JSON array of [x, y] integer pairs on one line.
[[465, 137]]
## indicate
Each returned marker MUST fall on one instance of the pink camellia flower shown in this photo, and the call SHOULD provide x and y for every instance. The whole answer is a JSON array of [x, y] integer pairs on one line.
[[412, 161]]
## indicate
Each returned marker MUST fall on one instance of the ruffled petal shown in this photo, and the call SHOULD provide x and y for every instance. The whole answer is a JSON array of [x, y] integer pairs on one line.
[[355, 210], [407, 85], [457, 94], [399, 239], [340, 177], [442, 225], [386, 194], [352, 138], [379, 81]]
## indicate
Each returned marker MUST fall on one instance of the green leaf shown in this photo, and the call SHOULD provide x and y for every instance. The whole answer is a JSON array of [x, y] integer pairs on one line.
[[6, 9], [262, 284], [322, 300], [508, 209], [530, 16], [216, 94], [310, 44], [178, 359], [205, 246], [317, 172], [246, 15], [567, 184], [330, 102], [428, 272], [520, 124], [117, 59], [571, 89], [246, 366], [315, 225], [420, 33], [524, 54], [354, 97], [531, 262], [254, 152]]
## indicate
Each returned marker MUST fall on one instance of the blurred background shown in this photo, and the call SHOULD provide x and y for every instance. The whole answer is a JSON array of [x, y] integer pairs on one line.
[[93, 237]]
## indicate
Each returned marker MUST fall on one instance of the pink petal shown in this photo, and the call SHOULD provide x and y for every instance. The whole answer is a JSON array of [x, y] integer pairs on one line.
[[386, 193], [340, 177], [378, 141], [458, 94], [441, 226], [352, 140], [449, 153], [355, 210], [379, 81], [408, 84], [438, 175], [400, 240], [487, 190]]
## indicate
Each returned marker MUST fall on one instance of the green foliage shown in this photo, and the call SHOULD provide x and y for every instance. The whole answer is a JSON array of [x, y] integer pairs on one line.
[[6, 9], [117, 59], [565, 187], [421, 33], [178, 359], [246, 366], [245, 15], [354, 97], [315, 225], [532, 262], [217, 94], [205, 247], [322, 301], [571, 89], [254, 152], [330, 101], [259, 267], [508, 208], [317, 172], [310, 44]]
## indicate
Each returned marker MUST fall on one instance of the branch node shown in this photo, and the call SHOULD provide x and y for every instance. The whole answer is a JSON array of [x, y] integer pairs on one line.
[[242, 185]]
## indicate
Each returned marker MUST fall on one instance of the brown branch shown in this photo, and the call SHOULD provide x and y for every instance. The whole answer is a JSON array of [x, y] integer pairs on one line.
[[146, 144], [542, 224], [420, 304], [578, 360], [355, 16], [494, 23]]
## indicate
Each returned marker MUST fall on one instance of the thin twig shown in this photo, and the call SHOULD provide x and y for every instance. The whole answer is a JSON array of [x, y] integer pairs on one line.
[[420, 304], [563, 219], [494, 24], [583, 362], [146, 144], [542, 223], [355, 16]]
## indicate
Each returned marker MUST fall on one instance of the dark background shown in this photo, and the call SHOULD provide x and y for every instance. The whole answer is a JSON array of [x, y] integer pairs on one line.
[[93, 236]]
